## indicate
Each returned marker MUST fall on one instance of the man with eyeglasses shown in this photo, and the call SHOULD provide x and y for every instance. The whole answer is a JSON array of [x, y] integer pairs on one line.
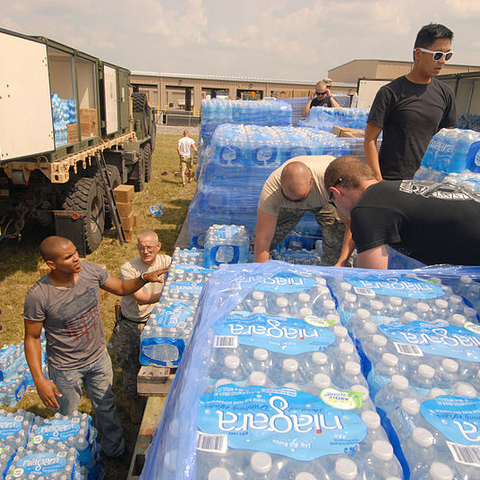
[[411, 109], [431, 222], [134, 312], [291, 191], [321, 97]]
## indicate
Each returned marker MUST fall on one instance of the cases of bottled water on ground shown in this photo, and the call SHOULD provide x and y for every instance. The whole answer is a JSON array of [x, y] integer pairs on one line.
[[302, 373]]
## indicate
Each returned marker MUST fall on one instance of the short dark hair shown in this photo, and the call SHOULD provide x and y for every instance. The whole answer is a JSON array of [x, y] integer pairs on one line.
[[348, 170], [431, 32]]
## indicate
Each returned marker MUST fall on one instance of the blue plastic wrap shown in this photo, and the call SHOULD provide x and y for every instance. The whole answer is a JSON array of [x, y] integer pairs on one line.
[[325, 118], [225, 306]]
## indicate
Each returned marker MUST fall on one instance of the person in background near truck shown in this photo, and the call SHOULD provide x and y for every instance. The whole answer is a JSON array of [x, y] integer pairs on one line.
[[134, 312], [320, 98], [288, 194], [65, 302], [184, 149], [432, 222], [411, 109]]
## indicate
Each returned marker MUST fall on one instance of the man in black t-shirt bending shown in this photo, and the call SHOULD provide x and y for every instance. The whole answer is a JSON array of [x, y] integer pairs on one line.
[[411, 109], [432, 222]]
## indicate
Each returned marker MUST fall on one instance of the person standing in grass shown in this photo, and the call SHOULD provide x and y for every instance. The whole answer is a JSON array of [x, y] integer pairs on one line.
[[185, 154], [66, 303]]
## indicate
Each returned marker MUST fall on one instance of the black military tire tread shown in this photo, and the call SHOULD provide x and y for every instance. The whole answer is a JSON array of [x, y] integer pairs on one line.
[[81, 198], [115, 181], [147, 154]]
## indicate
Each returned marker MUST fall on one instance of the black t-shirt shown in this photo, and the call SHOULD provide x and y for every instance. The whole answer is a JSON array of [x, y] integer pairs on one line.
[[431, 222], [410, 114], [324, 102]]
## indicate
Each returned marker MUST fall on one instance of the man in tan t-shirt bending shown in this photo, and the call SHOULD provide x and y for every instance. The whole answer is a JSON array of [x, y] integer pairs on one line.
[[290, 191], [135, 310]]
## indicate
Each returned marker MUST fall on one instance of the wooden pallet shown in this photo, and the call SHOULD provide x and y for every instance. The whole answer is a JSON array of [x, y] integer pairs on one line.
[[154, 381], [152, 414]]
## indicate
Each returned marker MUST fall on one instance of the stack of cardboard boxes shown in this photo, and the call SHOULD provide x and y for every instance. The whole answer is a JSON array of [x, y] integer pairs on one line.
[[124, 195], [89, 122]]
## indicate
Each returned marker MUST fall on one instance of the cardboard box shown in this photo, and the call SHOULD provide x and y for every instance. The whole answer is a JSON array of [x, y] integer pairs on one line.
[[136, 219], [128, 235], [124, 209], [124, 193], [88, 122], [348, 132], [127, 222], [72, 132]]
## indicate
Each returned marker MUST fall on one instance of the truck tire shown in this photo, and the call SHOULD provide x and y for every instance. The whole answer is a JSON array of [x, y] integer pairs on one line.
[[115, 181], [86, 197], [140, 105], [139, 102], [138, 177], [147, 153]]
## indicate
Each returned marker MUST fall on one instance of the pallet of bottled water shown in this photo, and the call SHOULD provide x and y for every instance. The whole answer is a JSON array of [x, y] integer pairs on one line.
[[219, 111], [226, 244], [418, 336], [64, 447], [271, 387], [169, 327], [15, 376], [325, 118]]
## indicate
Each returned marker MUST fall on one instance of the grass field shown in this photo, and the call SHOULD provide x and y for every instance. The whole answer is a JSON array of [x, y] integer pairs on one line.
[[20, 262]]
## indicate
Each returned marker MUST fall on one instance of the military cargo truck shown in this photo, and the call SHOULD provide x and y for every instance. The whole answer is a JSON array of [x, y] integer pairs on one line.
[[59, 108]]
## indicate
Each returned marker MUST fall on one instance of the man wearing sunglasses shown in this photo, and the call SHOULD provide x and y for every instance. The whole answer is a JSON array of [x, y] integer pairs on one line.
[[411, 109], [321, 97], [291, 191], [431, 222]]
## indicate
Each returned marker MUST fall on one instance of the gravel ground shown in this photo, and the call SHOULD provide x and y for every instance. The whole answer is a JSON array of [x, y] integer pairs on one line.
[[176, 130]]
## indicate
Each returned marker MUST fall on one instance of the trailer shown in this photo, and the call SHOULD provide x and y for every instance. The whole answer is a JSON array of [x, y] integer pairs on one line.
[[59, 109]]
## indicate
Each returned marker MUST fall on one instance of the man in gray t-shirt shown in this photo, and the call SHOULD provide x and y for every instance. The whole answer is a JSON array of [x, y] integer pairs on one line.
[[65, 302]]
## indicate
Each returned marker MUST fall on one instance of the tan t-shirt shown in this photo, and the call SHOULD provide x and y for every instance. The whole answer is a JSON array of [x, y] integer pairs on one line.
[[133, 269], [272, 199]]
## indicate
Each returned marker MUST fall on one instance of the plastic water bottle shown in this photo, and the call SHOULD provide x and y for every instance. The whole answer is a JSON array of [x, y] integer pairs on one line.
[[381, 461], [420, 452], [289, 373], [320, 381], [440, 471], [345, 469]]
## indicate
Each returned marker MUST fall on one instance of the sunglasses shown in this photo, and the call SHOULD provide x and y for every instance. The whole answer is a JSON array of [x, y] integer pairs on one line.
[[330, 198], [297, 200], [321, 93], [437, 55]]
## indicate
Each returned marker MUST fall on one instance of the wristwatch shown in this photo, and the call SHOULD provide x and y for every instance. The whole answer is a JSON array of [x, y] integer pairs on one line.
[[143, 279]]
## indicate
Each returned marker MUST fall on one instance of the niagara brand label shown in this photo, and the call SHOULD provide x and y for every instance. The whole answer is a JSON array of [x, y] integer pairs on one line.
[[187, 287], [173, 314], [9, 426], [58, 430], [40, 464], [286, 283]]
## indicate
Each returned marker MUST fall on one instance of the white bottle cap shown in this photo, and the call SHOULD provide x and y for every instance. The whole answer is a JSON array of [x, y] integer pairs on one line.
[[371, 419], [222, 381], [382, 450], [379, 340], [292, 385], [411, 406], [305, 476], [321, 358], [282, 302], [422, 307], [350, 298], [321, 380], [457, 319], [450, 365], [260, 354], [455, 300], [232, 361], [436, 392], [323, 290], [422, 437], [426, 371], [376, 305], [441, 303], [259, 309], [346, 469], [370, 327], [340, 331], [305, 312], [410, 317], [346, 287], [362, 313], [466, 279], [304, 297], [329, 305], [360, 389], [261, 462], [390, 360], [257, 378], [399, 382], [258, 295], [290, 365], [352, 368], [395, 301], [333, 318], [463, 389], [219, 473], [346, 348], [440, 471], [321, 281]]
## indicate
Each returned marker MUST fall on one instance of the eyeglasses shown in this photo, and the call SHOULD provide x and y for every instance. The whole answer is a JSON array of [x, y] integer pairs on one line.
[[437, 55], [321, 93], [147, 248], [330, 198], [297, 200]]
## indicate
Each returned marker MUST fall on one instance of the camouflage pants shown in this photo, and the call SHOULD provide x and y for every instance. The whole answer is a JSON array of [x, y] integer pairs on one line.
[[126, 344], [332, 230]]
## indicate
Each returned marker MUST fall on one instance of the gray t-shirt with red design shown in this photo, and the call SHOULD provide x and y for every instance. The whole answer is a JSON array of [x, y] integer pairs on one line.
[[71, 317]]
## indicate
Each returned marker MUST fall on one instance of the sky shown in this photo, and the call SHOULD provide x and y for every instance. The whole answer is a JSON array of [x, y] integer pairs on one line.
[[276, 39]]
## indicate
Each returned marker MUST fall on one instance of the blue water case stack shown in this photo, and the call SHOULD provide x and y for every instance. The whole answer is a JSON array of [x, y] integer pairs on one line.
[[324, 118], [226, 244]]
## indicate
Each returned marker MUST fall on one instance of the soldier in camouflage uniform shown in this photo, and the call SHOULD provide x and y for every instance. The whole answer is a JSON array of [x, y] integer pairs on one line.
[[288, 194], [134, 312]]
